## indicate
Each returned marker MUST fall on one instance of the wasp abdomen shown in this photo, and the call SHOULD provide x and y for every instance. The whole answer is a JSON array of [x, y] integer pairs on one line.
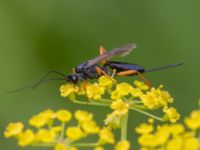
[[121, 66]]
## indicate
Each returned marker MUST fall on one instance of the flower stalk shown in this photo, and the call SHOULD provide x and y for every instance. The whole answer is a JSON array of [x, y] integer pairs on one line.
[[124, 127]]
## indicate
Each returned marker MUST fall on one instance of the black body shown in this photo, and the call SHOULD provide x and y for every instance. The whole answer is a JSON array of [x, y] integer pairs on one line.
[[83, 73], [121, 66], [88, 69]]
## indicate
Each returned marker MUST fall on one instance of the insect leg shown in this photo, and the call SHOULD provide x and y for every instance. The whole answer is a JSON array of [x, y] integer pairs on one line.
[[132, 72], [100, 72], [102, 50], [73, 70]]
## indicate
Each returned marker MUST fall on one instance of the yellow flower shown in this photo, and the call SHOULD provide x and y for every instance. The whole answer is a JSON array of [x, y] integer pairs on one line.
[[56, 129], [99, 148], [42, 118], [191, 144], [120, 107], [68, 89], [176, 129], [94, 91], [193, 122], [82, 116], [73, 148], [144, 128], [26, 138], [74, 133], [13, 129], [106, 81], [60, 146], [171, 114], [122, 89], [113, 120], [45, 136], [106, 136], [150, 101], [156, 98], [90, 127], [64, 115], [147, 140], [136, 92], [49, 114], [122, 145], [175, 144], [141, 85], [162, 134], [115, 95]]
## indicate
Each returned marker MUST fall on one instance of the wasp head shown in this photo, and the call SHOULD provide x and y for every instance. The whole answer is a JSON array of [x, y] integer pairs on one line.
[[74, 78]]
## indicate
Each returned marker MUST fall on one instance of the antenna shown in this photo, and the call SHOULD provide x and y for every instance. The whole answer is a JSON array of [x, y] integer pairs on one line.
[[42, 80]]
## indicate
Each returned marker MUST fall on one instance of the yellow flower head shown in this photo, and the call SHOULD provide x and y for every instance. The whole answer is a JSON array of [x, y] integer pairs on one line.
[[106, 136], [122, 145], [26, 138], [94, 91], [141, 85], [75, 133], [156, 98], [136, 92], [122, 89], [68, 89], [113, 120], [162, 134], [120, 107], [60, 146], [82, 116], [64, 115], [105, 81], [175, 144], [13, 129], [45, 136], [176, 129], [193, 121], [171, 114], [147, 140], [99, 148], [42, 118], [90, 127], [144, 128], [191, 144]]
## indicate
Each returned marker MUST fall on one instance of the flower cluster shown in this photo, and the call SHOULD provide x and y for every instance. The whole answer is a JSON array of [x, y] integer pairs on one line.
[[122, 97], [66, 131], [171, 137], [54, 129]]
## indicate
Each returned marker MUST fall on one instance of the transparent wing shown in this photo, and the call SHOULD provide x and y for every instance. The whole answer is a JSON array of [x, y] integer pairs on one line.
[[119, 51]]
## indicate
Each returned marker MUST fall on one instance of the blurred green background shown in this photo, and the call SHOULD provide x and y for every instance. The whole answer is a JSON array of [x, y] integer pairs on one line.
[[38, 36]]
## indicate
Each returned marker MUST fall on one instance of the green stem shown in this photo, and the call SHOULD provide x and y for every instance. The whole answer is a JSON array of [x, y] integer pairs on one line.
[[89, 103], [44, 144], [62, 130], [124, 125], [86, 144], [148, 114]]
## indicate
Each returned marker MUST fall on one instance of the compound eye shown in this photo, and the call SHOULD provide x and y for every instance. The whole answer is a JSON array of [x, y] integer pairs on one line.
[[73, 79]]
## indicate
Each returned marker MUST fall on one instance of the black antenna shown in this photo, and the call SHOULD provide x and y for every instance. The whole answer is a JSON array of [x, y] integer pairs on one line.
[[46, 75], [164, 67], [42, 80], [33, 86]]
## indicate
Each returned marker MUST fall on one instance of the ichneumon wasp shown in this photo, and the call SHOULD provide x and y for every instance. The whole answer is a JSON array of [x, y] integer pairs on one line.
[[93, 69]]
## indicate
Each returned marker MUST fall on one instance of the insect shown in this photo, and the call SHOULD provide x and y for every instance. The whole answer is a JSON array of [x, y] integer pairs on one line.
[[92, 69]]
